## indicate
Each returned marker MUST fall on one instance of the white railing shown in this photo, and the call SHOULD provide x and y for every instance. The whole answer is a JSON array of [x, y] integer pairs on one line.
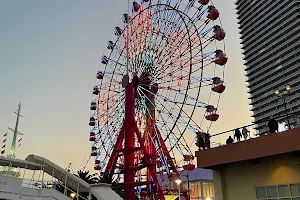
[[35, 184]]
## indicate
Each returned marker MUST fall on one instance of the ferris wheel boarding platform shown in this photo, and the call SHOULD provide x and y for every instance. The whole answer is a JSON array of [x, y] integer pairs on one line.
[[34, 178]]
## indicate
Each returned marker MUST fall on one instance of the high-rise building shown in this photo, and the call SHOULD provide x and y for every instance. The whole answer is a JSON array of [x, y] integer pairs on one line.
[[270, 34]]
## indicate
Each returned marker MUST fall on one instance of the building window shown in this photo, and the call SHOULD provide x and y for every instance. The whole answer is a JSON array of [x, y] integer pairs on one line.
[[283, 191], [261, 193], [201, 190], [295, 189], [208, 190], [278, 192]]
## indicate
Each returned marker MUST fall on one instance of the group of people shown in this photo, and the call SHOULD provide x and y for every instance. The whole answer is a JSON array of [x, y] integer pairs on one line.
[[273, 128], [203, 141], [238, 135]]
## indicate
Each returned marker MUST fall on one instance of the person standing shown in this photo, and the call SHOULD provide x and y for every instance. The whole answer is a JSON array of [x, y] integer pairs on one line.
[[245, 133], [207, 140], [237, 134], [200, 142], [273, 125], [229, 140]]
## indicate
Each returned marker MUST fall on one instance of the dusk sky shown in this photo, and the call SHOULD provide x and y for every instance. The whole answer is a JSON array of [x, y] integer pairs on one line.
[[49, 54]]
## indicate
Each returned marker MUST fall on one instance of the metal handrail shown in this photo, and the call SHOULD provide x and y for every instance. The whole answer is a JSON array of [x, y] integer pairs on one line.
[[255, 124], [39, 185]]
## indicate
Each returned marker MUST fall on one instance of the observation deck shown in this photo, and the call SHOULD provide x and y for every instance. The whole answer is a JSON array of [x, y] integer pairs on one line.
[[250, 150]]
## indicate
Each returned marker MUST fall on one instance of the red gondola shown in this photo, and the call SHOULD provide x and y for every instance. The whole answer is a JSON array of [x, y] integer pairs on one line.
[[211, 113], [97, 165], [100, 75], [135, 6], [218, 85], [96, 90], [216, 80], [94, 151], [212, 117], [213, 13], [219, 88], [104, 60], [210, 108], [200, 134], [189, 167], [92, 136], [188, 157], [219, 33], [93, 106], [221, 58], [125, 18], [118, 31], [110, 45], [92, 121], [203, 2]]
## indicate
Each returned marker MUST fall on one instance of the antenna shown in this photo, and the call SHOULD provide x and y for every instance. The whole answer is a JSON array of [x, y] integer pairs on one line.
[[127, 46], [16, 133]]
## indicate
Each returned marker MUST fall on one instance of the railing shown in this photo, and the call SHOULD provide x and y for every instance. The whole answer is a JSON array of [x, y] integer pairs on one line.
[[219, 139], [36, 183], [11, 193]]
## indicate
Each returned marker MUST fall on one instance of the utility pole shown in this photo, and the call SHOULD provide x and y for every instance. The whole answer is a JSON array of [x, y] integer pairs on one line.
[[12, 152]]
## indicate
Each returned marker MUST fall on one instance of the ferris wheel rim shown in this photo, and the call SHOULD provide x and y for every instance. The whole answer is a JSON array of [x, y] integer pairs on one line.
[[182, 15]]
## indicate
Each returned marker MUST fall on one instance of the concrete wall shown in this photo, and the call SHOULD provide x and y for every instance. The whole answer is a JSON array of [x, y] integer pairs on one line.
[[238, 180]]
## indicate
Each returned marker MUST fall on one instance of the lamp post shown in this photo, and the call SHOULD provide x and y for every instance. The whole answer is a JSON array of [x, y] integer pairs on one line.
[[178, 181], [282, 93], [188, 182]]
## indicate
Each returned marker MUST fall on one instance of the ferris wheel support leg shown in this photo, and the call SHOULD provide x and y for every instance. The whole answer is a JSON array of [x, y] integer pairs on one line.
[[167, 154], [129, 141], [149, 162], [111, 166]]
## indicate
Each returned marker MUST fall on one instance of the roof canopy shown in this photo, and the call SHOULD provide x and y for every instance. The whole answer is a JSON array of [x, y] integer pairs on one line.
[[17, 163], [59, 173]]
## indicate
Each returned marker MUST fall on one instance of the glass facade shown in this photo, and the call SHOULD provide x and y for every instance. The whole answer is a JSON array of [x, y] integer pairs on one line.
[[278, 192], [201, 190]]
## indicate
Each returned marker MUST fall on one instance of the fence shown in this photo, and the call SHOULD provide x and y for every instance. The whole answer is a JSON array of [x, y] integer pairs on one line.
[[219, 139]]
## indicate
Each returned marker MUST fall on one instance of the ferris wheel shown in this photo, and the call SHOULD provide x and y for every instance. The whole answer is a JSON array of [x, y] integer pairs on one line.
[[158, 85]]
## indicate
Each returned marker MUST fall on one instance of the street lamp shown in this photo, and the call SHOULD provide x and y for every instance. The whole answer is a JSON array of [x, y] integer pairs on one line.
[[282, 93], [188, 182], [73, 195], [178, 181]]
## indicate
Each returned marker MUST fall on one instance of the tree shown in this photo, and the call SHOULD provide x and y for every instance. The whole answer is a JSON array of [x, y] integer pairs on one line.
[[87, 177]]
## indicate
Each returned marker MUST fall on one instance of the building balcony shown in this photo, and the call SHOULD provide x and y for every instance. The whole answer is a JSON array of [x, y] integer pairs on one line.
[[252, 149]]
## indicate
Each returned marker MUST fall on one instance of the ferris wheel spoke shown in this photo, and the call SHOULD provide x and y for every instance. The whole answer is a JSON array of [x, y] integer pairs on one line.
[[157, 146], [170, 110], [109, 141], [172, 138], [177, 114]]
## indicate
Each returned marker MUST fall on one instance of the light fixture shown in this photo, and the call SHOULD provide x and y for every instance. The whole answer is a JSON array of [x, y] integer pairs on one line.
[[208, 198], [49, 186], [276, 91], [178, 181], [288, 87], [72, 195]]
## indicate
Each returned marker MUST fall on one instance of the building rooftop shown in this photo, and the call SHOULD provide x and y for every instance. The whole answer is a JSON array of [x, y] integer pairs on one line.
[[260, 147]]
